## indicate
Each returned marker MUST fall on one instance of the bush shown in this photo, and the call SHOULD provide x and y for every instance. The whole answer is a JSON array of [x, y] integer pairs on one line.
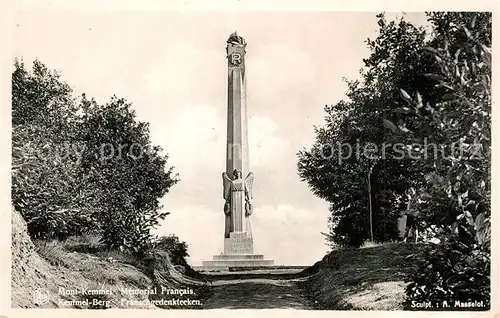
[[176, 249], [455, 269], [451, 272]]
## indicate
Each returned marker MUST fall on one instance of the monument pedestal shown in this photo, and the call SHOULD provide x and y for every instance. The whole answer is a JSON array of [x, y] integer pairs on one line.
[[238, 243], [238, 252]]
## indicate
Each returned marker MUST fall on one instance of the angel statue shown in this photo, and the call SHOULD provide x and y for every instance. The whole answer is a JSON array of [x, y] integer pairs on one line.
[[238, 195]]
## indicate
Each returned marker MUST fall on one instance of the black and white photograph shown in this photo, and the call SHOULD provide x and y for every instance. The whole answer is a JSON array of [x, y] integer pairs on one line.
[[324, 160]]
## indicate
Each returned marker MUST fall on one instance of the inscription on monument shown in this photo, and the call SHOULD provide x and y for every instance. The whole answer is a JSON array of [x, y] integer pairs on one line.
[[238, 243]]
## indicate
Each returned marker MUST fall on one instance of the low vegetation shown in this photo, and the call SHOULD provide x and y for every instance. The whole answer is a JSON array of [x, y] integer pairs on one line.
[[371, 278], [60, 268]]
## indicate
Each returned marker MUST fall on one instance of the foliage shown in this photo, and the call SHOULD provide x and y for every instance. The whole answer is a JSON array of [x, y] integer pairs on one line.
[[456, 195], [430, 95], [341, 176], [459, 120], [46, 186], [41, 97], [80, 167], [176, 249], [128, 171], [452, 271]]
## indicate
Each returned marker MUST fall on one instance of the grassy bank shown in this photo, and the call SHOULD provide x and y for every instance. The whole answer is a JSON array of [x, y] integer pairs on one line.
[[58, 269], [369, 278]]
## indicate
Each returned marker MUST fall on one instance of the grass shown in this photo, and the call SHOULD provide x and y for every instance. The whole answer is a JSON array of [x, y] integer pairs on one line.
[[96, 267], [367, 278], [369, 244], [85, 252], [81, 262]]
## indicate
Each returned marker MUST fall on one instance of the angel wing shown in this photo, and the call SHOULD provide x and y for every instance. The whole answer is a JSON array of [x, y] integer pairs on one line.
[[226, 182], [249, 184]]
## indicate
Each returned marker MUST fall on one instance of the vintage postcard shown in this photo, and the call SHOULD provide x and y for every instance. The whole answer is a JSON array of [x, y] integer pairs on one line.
[[309, 160]]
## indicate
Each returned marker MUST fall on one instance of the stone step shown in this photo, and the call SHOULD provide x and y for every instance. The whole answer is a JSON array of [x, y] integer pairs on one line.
[[211, 268], [239, 262], [238, 256]]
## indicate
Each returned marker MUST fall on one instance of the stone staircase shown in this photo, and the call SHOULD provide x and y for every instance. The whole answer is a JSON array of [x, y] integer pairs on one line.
[[238, 252], [238, 260]]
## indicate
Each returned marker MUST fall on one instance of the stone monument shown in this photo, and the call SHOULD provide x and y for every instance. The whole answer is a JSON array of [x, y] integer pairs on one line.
[[237, 180]]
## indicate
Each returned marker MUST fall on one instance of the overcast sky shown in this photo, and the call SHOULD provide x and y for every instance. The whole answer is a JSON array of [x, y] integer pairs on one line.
[[172, 67]]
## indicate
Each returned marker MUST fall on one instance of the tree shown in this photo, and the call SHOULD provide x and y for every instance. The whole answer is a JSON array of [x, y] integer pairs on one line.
[[46, 187], [421, 96], [456, 195], [128, 170], [79, 166], [357, 150]]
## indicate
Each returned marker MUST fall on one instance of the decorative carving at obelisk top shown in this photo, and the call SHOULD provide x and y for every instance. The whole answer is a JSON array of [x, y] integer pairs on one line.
[[235, 39], [235, 49], [237, 189]]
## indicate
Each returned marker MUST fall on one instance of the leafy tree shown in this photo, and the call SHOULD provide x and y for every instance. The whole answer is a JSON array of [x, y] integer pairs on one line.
[[426, 94], [41, 98], [366, 185], [456, 195], [128, 170], [46, 187], [80, 167]]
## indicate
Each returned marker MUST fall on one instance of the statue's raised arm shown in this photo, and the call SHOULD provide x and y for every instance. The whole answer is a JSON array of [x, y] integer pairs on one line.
[[226, 182]]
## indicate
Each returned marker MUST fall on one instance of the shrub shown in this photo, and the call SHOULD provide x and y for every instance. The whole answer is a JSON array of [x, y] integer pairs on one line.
[[176, 249], [451, 271]]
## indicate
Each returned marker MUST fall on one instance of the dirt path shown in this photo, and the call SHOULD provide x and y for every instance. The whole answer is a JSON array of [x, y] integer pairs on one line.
[[247, 292]]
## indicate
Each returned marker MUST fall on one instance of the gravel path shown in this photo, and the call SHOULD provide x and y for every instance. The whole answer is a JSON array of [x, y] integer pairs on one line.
[[241, 292]]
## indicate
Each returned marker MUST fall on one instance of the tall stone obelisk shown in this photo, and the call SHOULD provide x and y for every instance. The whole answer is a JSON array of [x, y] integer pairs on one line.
[[237, 234], [237, 129], [237, 179]]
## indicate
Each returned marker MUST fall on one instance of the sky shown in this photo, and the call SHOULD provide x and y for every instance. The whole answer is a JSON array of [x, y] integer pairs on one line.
[[172, 67]]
